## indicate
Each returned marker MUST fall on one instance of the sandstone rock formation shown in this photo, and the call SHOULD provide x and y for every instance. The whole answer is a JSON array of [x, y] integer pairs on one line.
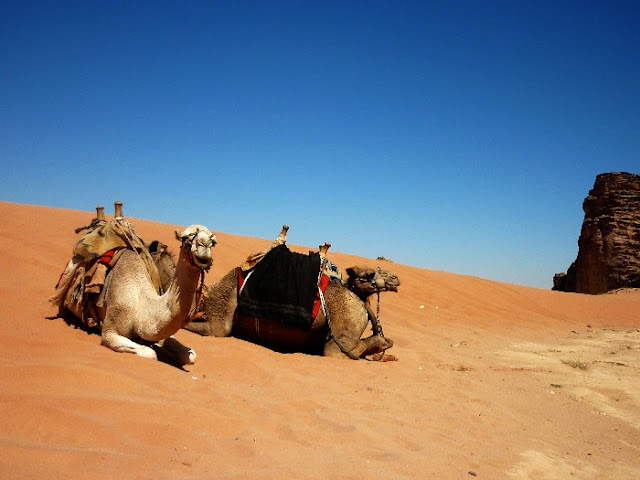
[[609, 243]]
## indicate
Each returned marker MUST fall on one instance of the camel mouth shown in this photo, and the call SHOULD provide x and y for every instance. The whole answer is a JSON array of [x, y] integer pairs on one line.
[[202, 262], [392, 288]]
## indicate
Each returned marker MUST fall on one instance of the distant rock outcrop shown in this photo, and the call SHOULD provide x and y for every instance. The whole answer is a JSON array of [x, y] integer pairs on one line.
[[609, 243]]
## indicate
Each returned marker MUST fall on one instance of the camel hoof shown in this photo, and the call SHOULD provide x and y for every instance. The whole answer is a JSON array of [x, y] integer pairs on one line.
[[192, 357]]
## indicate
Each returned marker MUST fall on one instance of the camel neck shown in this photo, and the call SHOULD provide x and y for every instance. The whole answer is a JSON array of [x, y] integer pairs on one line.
[[182, 288], [359, 293]]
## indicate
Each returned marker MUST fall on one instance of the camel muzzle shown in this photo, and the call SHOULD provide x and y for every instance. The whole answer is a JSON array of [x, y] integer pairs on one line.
[[203, 262]]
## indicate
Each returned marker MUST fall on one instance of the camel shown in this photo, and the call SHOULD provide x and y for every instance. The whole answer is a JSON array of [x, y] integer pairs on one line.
[[133, 316], [133, 310], [336, 333]]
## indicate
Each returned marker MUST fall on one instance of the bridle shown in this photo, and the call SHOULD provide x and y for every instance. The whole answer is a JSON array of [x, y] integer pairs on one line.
[[187, 244]]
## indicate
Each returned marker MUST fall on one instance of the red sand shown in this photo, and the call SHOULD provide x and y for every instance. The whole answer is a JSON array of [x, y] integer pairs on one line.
[[493, 381]]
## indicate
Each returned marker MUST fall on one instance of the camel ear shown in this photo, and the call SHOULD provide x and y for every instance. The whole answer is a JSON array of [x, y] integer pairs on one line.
[[351, 272], [179, 235]]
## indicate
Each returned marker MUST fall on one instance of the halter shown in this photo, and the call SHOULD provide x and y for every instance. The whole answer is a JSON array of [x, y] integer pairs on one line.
[[376, 324], [187, 244]]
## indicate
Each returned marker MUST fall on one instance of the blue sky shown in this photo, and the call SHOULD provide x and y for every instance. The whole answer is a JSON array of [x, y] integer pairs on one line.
[[451, 135]]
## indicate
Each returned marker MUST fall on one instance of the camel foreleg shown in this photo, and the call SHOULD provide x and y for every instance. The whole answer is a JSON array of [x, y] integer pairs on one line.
[[200, 327], [346, 346], [118, 343], [176, 352]]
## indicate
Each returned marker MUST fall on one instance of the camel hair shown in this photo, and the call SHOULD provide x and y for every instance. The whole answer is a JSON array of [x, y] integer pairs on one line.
[[338, 335]]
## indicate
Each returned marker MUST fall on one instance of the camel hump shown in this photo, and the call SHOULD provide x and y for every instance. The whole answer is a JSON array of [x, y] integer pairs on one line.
[[87, 270]]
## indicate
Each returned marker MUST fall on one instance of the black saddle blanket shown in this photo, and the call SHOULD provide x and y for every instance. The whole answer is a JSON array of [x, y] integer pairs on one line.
[[282, 286]]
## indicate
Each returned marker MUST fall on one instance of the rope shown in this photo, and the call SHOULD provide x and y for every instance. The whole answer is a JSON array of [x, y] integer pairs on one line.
[[187, 244], [379, 326], [199, 297]]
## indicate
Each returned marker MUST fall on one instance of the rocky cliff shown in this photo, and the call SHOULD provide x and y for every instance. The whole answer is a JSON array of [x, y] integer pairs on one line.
[[609, 243]]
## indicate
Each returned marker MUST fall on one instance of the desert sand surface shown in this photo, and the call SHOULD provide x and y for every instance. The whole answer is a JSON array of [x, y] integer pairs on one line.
[[493, 381]]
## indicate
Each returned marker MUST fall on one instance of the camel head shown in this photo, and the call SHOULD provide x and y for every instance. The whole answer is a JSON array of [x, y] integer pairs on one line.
[[386, 281], [364, 281], [197, 241]]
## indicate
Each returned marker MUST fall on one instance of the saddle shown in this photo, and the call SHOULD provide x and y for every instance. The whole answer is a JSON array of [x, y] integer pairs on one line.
[[282, 286], [94, 254]]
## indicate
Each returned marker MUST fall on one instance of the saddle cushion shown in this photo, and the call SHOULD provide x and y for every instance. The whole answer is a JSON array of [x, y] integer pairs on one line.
[[283, 286]]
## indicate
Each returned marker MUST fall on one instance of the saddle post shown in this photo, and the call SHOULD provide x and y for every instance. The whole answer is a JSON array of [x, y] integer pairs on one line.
[[251, 260], [323, 249]]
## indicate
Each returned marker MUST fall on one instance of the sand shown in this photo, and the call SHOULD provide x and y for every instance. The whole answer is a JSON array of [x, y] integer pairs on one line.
[[493, 381]]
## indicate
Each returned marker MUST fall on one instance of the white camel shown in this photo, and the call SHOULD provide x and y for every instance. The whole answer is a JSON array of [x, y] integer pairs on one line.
[[134, 313]]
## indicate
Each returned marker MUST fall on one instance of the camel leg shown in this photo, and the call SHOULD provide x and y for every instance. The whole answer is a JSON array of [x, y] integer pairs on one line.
[[220, 326], [180, 354], [218, 317], [121, 344], [357, 348], [200, 327]]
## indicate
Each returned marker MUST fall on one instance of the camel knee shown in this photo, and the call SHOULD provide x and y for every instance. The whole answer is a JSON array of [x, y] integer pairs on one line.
[[344, 347], [376, 344], [388, 342], [347, 347]]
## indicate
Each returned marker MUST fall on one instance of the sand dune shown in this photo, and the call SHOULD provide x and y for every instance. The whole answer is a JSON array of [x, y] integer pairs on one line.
[[493, 381]]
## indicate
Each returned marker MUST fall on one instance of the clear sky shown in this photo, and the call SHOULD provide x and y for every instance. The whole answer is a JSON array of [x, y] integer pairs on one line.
[[451, 135]]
